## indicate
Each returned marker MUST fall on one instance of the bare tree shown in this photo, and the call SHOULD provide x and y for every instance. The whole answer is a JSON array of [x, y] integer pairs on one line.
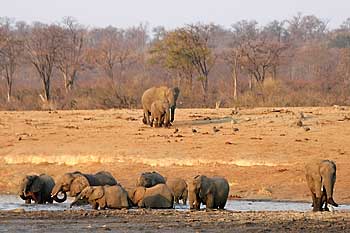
[[42, 45], [10, 51], [69, 61]]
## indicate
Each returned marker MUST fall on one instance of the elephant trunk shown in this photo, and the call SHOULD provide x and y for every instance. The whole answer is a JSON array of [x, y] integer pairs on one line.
[[56, 189], [60, 200], [172, 111]]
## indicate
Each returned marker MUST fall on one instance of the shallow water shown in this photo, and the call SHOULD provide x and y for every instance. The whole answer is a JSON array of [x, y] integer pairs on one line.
[[11, 202]]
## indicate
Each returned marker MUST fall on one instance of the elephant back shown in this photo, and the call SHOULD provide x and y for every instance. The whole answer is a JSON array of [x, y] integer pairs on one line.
[[150, 179], [158, 196], [105, 178], [116, 197]]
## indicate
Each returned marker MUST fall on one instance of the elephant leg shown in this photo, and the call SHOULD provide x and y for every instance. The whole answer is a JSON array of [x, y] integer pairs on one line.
[[317, 204], [210, 202], [94, 205], [313, 198], [318, 193]]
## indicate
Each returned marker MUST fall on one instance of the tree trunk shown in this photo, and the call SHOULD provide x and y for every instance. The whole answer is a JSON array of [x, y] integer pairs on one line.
[[234, 80]]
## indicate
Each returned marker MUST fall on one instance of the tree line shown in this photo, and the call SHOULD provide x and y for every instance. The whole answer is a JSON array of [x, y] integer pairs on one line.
[[294, 62]]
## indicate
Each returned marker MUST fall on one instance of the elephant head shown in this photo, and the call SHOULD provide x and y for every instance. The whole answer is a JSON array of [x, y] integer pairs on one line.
[[90, 193], [73, 183], [200, 190], [171, 95], [29, 186], [137, 195]]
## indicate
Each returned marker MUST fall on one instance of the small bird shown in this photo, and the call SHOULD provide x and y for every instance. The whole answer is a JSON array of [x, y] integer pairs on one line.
[[176, 130], [194, 130], [215, 130]]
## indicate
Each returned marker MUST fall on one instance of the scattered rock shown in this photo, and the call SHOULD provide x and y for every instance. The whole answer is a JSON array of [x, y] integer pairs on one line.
[[131, 119], [207, 118], [256, 138], [299, 123], [228, 143], [306, 128], [235, 129], [176, 130], [194, 130], [215, 130]]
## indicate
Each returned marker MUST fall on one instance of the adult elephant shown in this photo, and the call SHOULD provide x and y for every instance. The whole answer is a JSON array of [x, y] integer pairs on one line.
[[212, 192], [162, 93], [38, 189], [75, 182], [320, 177], [112, 197], [157, 197]]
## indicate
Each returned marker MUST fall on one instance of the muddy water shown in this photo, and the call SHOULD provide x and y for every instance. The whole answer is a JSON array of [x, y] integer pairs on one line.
[[11, 202]]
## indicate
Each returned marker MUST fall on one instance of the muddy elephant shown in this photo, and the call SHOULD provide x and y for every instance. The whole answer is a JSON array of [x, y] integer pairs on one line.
[[179, 188], [106, 196], [160, 113], [149, 179], [320, 177], [212, 192], [75, 182], [156, 197], [162, 93], [38, 189]]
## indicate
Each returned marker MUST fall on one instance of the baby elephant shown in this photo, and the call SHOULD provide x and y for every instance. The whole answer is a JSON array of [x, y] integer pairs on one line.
[[320, 177], [149, 179], [160, 113], [179, 188], [213, 192], [112, 197], [38, 189], [157, 197]]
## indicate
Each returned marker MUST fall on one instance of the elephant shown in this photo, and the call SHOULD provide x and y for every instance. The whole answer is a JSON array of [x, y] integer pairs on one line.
[[106, 196], [149, 179], [160, 112], [179, 188], [321, 177], [156, 197], [38, 189], [159, 93], [75, 182], [213, 192]]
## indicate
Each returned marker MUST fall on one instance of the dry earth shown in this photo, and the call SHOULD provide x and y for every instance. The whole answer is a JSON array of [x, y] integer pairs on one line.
[[261, 152], [264, 159]]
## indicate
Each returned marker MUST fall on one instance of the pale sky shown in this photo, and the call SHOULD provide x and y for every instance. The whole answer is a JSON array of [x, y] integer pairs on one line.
[[171, 14]]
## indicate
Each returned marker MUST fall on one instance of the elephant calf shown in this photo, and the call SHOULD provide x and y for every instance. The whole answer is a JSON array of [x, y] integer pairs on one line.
[[156, 197], [160, 113], [179, 188], [212, 192], [38, 189], [149, 179], [320, 177], [112, 197]]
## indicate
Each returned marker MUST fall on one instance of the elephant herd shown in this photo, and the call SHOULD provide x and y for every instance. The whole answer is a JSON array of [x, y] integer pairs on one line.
[[101, 190]]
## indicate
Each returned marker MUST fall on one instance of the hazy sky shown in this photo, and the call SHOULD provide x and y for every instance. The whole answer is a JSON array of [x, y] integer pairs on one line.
[[124, 13]]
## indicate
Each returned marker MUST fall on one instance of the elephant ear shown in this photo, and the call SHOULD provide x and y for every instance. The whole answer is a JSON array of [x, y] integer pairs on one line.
[[78, 184], [138, 194], [36, 185], [97, 193], [204, 186]]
